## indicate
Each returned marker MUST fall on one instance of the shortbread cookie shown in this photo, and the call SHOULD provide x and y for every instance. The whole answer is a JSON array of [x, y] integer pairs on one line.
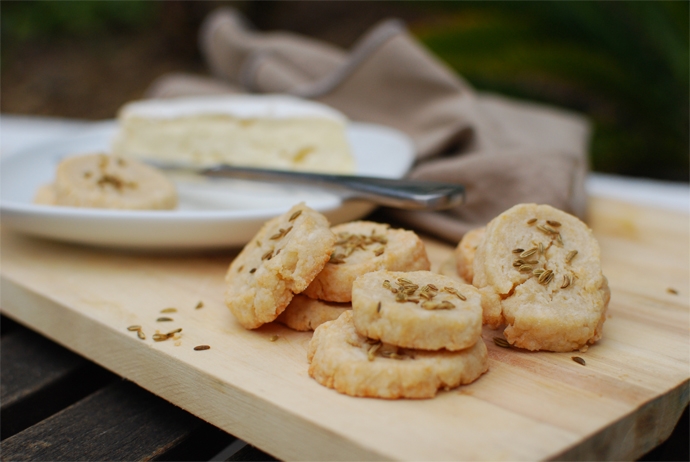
[[465, 251], [342, 359], [543, 265], [362, 247], [102, 181], [280, 261], [305, 314], [417, 309]]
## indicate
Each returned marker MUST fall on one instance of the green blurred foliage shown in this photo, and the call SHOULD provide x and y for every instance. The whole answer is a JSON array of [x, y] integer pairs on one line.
[[623, 64], [26, 20]]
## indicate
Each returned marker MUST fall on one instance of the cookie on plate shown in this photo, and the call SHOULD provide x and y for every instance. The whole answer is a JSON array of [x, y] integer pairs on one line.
[[342, 359], [418, 309], [465, 251], [305, 314], [544, 268], [103, 181], [281, 260], [362, 247]]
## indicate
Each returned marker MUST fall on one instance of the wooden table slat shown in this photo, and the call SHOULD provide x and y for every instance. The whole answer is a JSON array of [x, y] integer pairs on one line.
[[31, 362], [119, 422], [251, 453], [7, 325], [203, 443], [40, 378]]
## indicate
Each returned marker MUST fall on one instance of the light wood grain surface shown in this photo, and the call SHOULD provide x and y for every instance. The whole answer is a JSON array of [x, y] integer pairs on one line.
[[529, 406]]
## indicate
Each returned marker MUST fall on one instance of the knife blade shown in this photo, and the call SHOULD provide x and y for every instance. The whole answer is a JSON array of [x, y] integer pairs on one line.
[[403, 193]]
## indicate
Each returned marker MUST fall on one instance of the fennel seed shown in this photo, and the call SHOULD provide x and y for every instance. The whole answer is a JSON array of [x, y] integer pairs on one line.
[[529, 252], [545, 277], [372, 350], [455, 292], [501, 342], [579, 360], [432, 305], [570, 256], [546, 229]]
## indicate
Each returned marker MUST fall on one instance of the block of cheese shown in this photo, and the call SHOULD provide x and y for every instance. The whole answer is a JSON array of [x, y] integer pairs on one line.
[[264, 131]]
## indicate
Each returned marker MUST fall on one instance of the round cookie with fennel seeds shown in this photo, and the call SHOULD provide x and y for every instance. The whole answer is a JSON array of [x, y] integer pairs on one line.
[[544, 267], [362, 247], [418, 309], [305, 314], [342, 359], [103, 181], [281, 260]]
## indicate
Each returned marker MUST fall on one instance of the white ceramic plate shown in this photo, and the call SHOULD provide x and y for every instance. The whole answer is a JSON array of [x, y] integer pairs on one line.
[[216, 214]]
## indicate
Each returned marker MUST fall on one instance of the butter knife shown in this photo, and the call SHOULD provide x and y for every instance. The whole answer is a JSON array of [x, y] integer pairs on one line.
[[398, 193]]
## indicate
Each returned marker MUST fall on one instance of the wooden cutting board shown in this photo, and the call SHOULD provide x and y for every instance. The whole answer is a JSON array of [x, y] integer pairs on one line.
[[532, 406]]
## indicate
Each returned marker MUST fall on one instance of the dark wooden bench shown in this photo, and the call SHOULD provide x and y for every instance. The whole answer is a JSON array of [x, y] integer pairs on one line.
[[56, 405]]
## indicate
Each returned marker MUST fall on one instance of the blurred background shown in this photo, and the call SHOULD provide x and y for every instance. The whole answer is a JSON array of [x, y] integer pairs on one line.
[[624, 64]]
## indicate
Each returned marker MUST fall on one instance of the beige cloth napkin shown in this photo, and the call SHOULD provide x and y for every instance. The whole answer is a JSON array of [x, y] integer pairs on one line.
[[504, 151]]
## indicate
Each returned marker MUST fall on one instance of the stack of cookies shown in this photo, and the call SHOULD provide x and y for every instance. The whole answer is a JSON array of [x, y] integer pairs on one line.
[[385, 326], [408, 335]]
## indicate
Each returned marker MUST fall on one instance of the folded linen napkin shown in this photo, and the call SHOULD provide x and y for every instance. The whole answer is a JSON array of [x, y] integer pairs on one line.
[[504, 151]]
